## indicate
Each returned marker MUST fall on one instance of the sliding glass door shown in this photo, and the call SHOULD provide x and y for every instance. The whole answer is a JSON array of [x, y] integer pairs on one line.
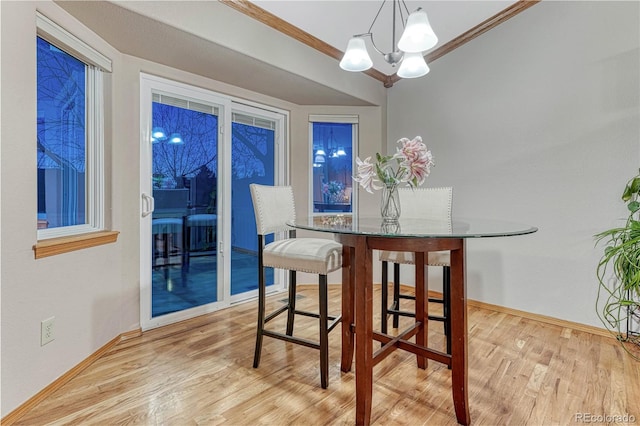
[[198, 234]]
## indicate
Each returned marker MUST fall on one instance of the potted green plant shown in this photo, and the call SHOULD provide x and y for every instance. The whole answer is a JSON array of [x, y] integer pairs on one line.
[[618, 272]]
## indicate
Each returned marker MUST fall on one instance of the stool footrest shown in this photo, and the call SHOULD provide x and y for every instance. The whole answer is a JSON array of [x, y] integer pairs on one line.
[[275, 313], [335, 320], [297, 340], [431, 299], [401, 313], [313, 314], [412, 315]]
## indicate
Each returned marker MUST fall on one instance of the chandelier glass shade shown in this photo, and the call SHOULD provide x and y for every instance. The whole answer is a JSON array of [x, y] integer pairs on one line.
[[158, 134], [356, 58], [413, 65], [176, 139], [417, 37]]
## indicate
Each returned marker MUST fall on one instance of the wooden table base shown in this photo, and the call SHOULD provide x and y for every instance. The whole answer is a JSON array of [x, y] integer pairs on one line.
[[357, 316]]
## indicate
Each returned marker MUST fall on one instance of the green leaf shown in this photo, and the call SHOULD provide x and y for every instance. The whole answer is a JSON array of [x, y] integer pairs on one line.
[[633, 206]]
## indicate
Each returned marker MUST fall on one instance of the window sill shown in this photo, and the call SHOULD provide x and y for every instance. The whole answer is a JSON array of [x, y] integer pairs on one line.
[[55, 246]]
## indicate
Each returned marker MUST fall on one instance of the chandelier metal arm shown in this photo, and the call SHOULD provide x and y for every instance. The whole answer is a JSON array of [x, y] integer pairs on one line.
[[392, 57], [406, 9], [377, 14], [373, 43], [393, 27], [395, 55]]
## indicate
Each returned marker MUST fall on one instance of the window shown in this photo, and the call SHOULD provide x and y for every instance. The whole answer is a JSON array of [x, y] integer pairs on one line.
[[333, 142], [69, 132]]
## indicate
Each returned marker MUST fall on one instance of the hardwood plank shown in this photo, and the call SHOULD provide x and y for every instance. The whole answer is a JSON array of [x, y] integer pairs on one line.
[[521, 371]]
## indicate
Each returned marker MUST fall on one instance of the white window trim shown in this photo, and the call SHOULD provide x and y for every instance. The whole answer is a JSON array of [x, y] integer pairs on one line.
[[94, 145], [317, 118], [63, 39], [326, 118]]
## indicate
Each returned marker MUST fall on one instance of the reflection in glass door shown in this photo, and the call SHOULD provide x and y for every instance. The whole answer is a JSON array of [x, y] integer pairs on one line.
[[252, 161], [184, 223]]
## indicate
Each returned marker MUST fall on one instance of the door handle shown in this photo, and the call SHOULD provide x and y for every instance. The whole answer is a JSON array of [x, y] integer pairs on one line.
[[149, 203]]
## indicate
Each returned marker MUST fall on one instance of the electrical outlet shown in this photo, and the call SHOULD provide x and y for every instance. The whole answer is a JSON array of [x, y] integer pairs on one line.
[[46, 331]]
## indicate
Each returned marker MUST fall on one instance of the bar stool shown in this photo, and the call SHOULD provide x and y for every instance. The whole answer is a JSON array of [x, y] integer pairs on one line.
[[167, 238], [425, 203], [273, 207], [200, 236]]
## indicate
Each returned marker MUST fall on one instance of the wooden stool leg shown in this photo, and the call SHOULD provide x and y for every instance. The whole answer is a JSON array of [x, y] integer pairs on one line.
[[324, 332], [165, 255], [348, 309], [396, 293], [261, 302], [385, 297], [291, 315]]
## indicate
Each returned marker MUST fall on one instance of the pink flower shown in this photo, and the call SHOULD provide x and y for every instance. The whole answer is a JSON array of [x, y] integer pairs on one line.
[[416, 159], [410, 149], [366, 174], [418, 168], [414, 163]]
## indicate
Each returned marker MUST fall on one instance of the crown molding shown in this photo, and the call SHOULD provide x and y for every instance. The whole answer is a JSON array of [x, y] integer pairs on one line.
[[279, 24]]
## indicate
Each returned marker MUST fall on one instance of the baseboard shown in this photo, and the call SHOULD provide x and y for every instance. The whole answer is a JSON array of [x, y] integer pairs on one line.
[[530, 315], [130, 334], [524, 314], [16, 414], [542, 318]]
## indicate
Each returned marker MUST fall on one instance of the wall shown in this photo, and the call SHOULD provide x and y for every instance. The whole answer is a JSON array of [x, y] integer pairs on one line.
[[82, 289], [93, 293], [536, 121]]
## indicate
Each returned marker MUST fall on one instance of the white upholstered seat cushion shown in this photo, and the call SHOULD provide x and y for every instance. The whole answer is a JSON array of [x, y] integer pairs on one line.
[[434, 258], [313, 255]]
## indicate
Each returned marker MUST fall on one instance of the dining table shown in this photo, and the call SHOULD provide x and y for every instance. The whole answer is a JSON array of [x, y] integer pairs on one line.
[[360, 236]]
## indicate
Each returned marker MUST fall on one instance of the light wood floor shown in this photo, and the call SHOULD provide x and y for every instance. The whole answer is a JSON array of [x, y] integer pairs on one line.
[[521, 372]]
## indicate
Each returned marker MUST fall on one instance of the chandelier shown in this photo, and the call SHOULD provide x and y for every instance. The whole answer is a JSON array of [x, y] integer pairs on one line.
[[417, 37], [158, 134]]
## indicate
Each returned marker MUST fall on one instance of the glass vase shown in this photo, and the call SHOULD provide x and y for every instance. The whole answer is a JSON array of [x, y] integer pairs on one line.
[[390, 204]]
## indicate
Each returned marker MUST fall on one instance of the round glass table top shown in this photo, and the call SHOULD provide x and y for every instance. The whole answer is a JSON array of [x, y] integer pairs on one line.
[[421, 228]]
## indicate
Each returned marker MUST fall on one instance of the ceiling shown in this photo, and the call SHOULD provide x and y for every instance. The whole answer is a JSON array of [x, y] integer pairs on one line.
[[334, 22], [325, 25]]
